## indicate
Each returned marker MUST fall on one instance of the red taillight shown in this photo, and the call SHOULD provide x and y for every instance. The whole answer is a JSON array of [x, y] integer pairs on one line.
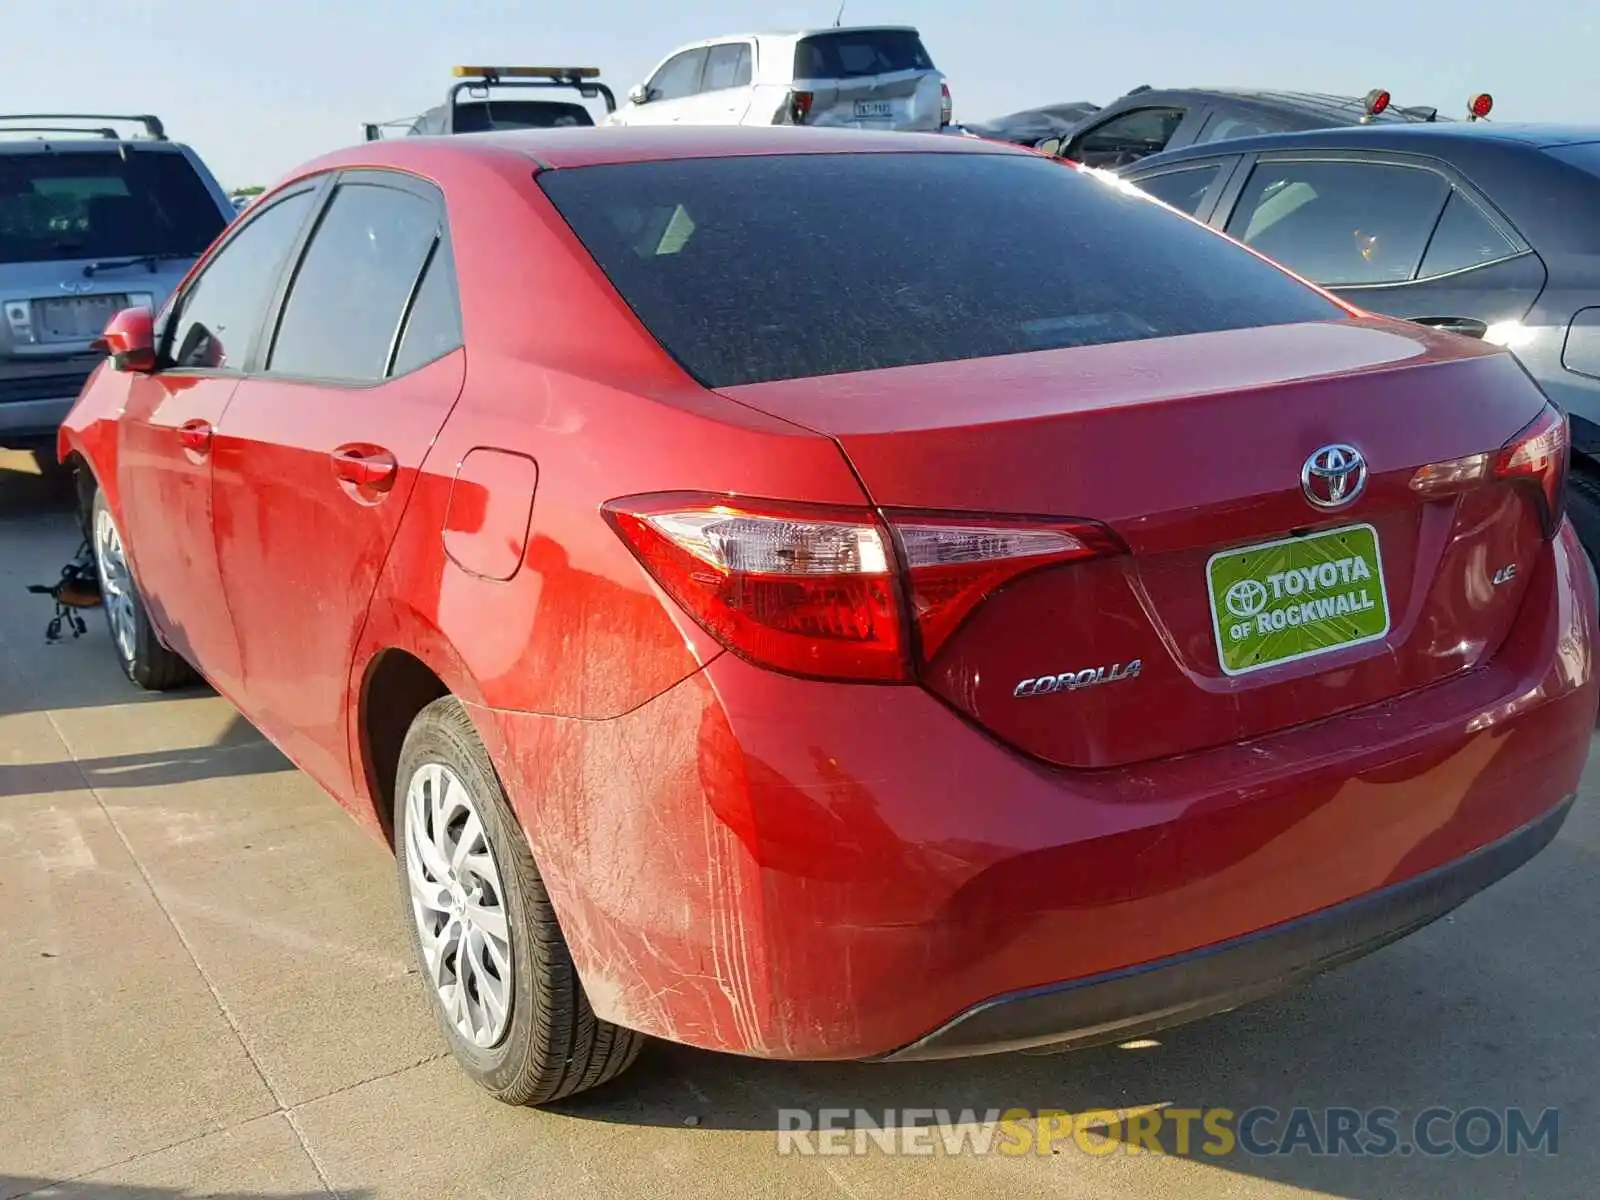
[[817, 591], [1377, 101], [947, 108], [1537, 455], [800, 107], [952, 563], [1480, 106]]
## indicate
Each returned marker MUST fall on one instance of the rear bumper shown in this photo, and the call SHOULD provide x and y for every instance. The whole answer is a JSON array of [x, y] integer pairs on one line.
[[800, 870], [1127, 1004]]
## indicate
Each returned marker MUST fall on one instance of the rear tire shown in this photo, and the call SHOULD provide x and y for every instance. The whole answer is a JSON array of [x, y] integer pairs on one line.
[[1583, 509], [512, 1009], [144, 659]]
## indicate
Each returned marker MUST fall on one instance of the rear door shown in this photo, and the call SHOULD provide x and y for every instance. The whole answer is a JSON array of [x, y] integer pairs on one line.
[[316, 457], [725, 85], [871, 78], [1396, 235]]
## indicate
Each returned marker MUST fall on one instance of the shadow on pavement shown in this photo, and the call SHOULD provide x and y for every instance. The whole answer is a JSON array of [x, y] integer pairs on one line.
[[27, 486], [24, 1188], [1490, 1009], [241, 750]]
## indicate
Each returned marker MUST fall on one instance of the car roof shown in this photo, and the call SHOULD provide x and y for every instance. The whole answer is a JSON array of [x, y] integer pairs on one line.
[[84, 144], [1414, 137], [584, 146], [1322, 106]]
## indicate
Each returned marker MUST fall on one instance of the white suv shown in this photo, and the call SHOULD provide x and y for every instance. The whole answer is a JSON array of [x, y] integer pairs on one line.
[[866, 77]]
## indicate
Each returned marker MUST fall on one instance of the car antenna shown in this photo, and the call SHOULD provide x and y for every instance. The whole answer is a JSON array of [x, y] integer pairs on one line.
[[838, 17]]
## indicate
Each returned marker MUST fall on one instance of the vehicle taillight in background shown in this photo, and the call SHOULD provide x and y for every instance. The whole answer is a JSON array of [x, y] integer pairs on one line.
[[1537, 456], [1480, 106], [800, 107], [1376, 102], [835, 593], [946, 106]]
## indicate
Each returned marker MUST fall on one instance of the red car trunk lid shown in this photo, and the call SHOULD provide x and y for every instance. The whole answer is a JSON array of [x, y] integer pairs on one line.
[[1193, 450]]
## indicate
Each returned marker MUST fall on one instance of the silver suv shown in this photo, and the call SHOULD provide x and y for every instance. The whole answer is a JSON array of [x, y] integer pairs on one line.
[[867, 77], [91, 222]]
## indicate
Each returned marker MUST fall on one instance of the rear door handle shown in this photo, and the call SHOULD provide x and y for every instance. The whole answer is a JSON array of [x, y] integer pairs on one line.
[[195, 436], [365, 466]]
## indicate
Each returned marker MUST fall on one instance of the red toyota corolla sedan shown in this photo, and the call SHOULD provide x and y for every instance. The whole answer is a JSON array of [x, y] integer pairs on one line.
[[822, 595]]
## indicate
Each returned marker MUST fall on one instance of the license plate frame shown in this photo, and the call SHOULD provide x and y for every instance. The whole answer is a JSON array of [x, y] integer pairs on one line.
[[63, 320], [1337, 606]]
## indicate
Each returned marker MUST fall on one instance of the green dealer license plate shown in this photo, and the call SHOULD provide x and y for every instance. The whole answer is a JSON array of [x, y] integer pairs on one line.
[[1297, 597]]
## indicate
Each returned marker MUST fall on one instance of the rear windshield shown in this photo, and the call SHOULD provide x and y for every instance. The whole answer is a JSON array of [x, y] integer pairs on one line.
[[519, 114], [94, 204], [854, 52], [786, 266]]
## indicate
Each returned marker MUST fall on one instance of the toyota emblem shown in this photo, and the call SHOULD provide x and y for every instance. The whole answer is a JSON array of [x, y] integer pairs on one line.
[[1334, 476]]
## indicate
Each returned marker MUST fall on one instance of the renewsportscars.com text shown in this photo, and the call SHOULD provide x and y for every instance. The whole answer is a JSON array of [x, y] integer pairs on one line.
[[1190, 1132]]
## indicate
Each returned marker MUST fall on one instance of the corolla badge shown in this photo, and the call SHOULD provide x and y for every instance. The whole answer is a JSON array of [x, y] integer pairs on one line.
[[76, 285], [1072, 681], [1334, 476]]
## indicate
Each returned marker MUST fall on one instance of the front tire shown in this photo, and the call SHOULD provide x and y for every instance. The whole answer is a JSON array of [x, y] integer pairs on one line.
[[495, 966], [139, 649]]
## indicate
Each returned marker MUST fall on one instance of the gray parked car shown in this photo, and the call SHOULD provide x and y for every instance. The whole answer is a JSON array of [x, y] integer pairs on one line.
[[91, 222]]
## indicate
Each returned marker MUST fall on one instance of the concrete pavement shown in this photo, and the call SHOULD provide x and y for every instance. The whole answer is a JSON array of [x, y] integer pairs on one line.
[[206, 989]]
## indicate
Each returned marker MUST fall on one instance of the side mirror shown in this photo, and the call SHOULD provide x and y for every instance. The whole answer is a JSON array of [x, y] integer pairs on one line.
[[1050, 146], [130, 339], [638, 94]]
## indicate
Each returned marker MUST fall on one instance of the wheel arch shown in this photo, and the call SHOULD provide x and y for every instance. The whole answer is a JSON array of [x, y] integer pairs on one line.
[[395, 679]]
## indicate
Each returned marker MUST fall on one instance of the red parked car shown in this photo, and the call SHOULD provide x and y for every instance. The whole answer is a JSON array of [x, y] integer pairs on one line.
[[828, 595]]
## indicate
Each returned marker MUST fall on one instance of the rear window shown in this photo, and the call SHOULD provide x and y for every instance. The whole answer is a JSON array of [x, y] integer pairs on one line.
[[856, 52], [519, 114], [786, 266], [95, 204]]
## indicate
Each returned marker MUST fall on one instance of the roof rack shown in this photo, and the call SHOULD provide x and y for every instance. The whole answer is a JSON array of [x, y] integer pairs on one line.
[[99, 133], [153, 127]]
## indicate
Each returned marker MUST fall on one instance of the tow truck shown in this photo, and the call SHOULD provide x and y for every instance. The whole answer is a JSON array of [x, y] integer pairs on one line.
[[478, 113]]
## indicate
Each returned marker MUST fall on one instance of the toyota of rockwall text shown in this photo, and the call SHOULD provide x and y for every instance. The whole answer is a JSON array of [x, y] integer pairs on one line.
[[759, 620]]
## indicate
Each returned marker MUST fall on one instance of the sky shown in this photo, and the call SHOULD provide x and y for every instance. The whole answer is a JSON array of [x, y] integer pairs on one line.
[[260, 86]]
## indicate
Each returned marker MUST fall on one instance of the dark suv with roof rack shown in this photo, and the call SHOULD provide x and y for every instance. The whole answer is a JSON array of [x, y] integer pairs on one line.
[[1148, 120], [91, 222]]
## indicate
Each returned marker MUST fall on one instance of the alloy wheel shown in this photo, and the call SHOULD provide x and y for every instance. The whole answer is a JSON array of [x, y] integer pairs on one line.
[[459, 905]]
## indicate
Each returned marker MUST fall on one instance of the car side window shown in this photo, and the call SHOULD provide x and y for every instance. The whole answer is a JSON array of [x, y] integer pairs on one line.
[[679, 76], [214, 325], [1223, 125], [433, 326], [1184, 189], [1465, 238], [345, 305], [1341, 223], [727, 66], [1127, 138]]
